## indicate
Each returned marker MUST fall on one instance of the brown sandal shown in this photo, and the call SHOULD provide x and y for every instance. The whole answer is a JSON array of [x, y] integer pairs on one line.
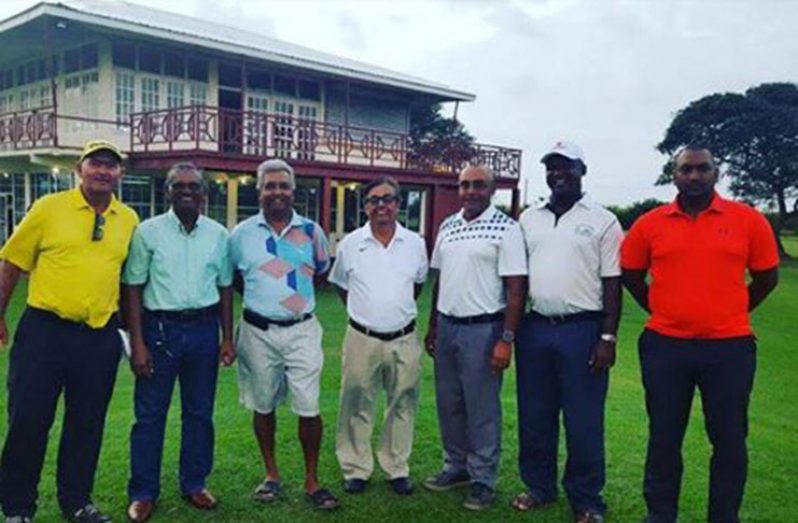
[[526, 501]]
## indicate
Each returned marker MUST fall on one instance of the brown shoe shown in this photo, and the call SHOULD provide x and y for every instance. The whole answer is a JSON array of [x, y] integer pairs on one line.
[[588, 516], [202, 500], [140, 511]]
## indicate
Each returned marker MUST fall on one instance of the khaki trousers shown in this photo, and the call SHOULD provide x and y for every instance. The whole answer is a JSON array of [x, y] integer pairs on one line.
[[368, 365]]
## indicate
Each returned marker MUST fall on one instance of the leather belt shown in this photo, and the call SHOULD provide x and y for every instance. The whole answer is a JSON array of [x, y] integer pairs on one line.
[[567, 318], [479, 318], [186, 315], [384, 336], [262, 322]]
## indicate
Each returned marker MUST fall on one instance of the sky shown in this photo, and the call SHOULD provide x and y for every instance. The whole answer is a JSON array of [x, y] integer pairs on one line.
[[608, 74]]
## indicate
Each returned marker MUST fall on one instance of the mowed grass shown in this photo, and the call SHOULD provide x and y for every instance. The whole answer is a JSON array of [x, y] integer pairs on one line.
[[773, 441]]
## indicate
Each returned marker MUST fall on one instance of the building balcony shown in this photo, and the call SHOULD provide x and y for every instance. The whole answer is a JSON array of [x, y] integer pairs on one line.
[[249, 135]]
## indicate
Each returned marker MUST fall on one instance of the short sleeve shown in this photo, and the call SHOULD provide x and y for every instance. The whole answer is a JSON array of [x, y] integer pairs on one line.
[[234, 248], [435, 261], [512, 252], [225, 276], [610, 250], [137, 265], [423, 265], [763, 254], [22, 249], [635, 249], [339, 275], [321, 250]]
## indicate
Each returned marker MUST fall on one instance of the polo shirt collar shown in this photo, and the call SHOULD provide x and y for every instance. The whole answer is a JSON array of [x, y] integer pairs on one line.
[[79, 201], [296, 220], [171, 216], [585, 201], [486, 214], [399, 234], [718, 204]]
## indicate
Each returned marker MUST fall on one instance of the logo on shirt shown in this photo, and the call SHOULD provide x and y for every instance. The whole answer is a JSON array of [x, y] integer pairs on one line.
[[585, 230]]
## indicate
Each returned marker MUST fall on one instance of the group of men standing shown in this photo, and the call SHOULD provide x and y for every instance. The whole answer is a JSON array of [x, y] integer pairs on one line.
[[567, 256]]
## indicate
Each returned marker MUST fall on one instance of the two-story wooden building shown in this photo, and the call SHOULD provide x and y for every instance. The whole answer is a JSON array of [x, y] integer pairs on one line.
[[167, 88]]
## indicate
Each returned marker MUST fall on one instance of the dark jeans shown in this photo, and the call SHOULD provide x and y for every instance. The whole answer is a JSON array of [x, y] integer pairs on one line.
[[50, 356], [188, 351], [723, 370], [552, 376]]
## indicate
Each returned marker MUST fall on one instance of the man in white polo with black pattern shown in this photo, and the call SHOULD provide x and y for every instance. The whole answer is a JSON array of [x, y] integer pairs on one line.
[[478, 300]]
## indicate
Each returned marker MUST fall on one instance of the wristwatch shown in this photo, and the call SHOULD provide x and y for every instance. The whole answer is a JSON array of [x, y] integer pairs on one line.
[[609, 338], [508, 336]]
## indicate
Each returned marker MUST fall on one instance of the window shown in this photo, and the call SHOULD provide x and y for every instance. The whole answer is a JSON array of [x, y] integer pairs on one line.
[[198, 93], [247, 198], [23, 101], [136, 192], [174, 94], [150, 95], [125, 91], [6, 79], [217, 201]]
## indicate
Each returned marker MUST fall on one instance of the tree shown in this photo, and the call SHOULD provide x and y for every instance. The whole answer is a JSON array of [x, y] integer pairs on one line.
[[437, 142], [629, 214], [755, 138]]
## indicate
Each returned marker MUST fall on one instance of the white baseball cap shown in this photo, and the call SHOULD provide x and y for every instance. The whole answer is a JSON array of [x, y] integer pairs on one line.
[[570, 150]]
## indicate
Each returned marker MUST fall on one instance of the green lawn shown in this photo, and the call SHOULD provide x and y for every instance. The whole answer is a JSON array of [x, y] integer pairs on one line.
[[773, 442]]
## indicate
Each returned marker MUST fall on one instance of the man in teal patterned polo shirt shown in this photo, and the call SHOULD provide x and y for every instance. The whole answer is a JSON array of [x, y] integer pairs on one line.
[[277, 253]]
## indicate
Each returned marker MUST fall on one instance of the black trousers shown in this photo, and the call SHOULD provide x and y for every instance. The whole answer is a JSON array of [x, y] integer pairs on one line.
[[51, 356], [723, 370]]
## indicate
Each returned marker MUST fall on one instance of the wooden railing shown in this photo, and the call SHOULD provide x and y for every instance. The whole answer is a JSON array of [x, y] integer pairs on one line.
[[260, 134], [250, 133], [30, 129]]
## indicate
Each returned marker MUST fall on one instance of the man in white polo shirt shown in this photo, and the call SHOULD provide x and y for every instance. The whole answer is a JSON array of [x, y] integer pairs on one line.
[[379, 271], [566, 345], [477, 304]]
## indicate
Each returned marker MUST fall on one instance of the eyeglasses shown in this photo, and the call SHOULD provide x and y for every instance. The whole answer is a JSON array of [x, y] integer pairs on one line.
[[98, 231], [702, 168], [386, 199], [476, 185]]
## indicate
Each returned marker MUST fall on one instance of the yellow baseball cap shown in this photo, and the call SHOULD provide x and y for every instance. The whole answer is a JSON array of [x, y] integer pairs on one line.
[[99, 145]]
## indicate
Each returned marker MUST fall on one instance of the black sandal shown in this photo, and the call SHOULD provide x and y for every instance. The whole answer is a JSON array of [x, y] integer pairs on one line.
[[323, 499], [268, 491]]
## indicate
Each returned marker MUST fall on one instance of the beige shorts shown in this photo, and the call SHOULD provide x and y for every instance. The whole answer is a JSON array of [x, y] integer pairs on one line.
[[275, 361]]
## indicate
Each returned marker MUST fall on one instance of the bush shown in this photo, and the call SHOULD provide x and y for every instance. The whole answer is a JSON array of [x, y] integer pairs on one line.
[[629, 214]]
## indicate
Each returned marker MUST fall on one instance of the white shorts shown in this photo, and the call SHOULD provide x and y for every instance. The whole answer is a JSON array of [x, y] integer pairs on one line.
[[271, 362]]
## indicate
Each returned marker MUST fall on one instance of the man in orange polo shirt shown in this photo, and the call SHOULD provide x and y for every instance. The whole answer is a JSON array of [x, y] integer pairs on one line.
[[697, 250]]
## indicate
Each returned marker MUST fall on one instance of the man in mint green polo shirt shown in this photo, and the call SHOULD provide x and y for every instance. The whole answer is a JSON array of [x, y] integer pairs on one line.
[[178, 281]]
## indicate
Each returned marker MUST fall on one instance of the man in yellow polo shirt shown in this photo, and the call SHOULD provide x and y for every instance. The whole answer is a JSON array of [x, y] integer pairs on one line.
[[73, 244]]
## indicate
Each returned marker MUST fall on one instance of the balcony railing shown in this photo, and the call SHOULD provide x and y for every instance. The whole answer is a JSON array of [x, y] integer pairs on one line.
[[30, 129], [249, 133], [253, 133]]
